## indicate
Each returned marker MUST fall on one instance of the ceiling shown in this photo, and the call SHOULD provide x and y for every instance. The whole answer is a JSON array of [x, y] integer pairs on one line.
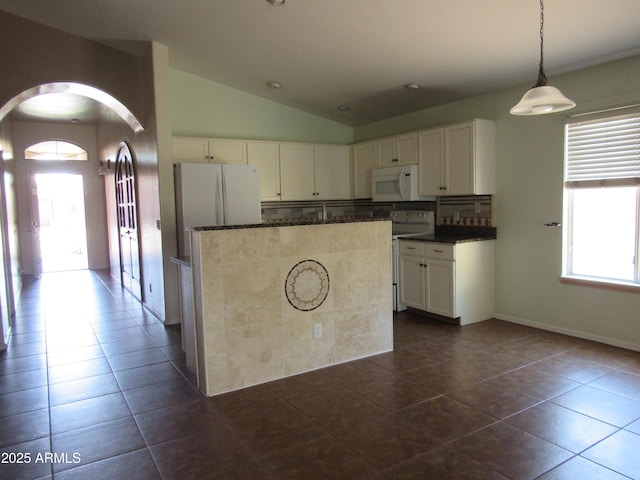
[[358, 53]]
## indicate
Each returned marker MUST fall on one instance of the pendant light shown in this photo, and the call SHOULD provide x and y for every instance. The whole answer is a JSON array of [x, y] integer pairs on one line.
[[542, 98]]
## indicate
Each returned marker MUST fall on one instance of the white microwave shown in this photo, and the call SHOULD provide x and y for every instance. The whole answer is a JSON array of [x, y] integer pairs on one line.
[[396, 184]]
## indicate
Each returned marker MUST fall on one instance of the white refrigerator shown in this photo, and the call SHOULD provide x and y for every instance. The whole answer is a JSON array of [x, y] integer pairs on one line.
[[209, 194]]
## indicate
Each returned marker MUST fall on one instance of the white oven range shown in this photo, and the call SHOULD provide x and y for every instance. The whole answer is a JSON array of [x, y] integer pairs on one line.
[[406, 223]]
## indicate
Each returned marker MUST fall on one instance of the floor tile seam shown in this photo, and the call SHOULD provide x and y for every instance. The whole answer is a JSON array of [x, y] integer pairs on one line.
[[479, 429], [154, 447], [387, 471], [612, 392], [155, 408], [537, 403], [149, 445], [110, 458], [259, 458], [506, 474], [124, 389], [94, 397], [476, 458], [383, 471], [557, 466], [617, 430], [594, 418], [48, 377], [606, 467], [102, 422]]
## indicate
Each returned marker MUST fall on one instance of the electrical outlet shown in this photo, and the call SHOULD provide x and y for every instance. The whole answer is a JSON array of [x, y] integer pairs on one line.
[[317, 330]]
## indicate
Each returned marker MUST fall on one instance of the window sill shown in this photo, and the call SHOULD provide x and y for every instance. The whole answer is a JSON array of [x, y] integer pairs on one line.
[[601, 283]]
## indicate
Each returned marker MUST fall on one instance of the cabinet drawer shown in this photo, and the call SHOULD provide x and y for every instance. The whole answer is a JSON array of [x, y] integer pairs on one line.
[[439, 250], [412, 248]]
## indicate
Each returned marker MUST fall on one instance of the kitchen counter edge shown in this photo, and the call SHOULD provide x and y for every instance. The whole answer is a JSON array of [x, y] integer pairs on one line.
[[289, 223]]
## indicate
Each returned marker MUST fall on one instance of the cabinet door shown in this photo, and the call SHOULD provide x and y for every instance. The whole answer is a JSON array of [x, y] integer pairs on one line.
[[430, 162], [364, 160], [296, 172], [190, 150], [412, 291], [266, 155], [332, 172], [386, 152], [407, 149], [439, 287], [460, 164], [227, 151]]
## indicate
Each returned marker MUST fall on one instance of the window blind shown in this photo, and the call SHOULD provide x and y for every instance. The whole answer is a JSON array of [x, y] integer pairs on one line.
[[603, 151]]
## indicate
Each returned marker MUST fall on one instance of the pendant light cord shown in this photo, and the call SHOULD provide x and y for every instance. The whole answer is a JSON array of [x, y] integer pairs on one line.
[[542, 78]]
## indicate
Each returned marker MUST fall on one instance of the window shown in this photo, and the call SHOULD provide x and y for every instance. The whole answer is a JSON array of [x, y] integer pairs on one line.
[[602, 198], [55, 150]]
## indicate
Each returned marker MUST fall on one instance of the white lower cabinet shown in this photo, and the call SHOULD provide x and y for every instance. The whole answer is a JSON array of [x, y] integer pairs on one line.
[[454, 281]]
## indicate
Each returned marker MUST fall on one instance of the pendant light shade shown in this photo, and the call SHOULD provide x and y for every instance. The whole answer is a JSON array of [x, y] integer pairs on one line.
[[542, 98]]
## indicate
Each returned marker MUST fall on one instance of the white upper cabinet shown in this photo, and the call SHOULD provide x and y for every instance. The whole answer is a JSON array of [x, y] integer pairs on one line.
[[398, 150], [266, 155], [296, 171], [314, 172], [332, 172], [227, 151], [457, 159], [364, 160], [190, 150], [208, 150]]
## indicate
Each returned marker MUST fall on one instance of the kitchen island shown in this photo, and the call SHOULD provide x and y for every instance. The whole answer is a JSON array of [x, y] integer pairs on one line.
[[272, 301]]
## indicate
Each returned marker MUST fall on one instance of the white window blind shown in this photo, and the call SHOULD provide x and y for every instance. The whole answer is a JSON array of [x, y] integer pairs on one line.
[[603, 151]]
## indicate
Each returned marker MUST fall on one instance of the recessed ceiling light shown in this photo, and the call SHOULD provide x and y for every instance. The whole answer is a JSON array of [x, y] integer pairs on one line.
[[344, 108], [276, 3], [412, 86], [274, 85]]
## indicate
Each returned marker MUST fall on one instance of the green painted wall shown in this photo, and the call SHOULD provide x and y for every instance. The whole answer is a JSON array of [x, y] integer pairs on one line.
[[202, 108], [529, 175]]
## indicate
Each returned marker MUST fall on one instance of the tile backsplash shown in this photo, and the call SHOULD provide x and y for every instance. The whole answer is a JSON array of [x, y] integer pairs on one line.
[[474, 210]]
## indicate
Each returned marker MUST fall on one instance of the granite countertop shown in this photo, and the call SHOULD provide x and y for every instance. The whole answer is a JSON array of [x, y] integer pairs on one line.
[[291, 223], [453, 235]]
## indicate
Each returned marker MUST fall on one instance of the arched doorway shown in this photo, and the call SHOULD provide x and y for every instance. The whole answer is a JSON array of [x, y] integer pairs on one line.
[[56, 107], [126, 199]]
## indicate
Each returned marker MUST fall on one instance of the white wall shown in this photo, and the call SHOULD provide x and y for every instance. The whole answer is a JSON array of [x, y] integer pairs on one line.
[[529, 176], [26, 134]]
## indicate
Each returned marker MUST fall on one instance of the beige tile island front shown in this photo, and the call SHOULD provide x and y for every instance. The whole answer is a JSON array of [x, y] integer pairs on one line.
[[274, 301]]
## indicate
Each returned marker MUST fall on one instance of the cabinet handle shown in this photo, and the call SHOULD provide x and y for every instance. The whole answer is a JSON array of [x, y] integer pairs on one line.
[[410, 248], [439, 251]]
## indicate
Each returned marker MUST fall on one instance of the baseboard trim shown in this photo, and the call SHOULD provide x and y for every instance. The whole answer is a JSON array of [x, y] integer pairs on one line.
[[572, 333]]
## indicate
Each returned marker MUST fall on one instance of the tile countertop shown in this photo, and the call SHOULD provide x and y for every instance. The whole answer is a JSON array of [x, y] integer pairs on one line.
[[453, 235]]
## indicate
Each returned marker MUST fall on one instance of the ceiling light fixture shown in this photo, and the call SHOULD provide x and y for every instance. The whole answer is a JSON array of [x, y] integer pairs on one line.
[[273, 85], [542, 98], [414, 87], [344, 108], [276, 3]]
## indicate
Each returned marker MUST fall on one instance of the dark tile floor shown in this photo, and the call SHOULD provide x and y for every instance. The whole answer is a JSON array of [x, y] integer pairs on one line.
[[92, 387]]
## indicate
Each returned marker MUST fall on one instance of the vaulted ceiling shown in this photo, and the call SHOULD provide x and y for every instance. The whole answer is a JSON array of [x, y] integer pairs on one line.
[[358, 53]]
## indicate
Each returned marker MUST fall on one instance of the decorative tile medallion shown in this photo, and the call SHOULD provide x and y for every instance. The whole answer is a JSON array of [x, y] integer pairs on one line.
[[307, 285]]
